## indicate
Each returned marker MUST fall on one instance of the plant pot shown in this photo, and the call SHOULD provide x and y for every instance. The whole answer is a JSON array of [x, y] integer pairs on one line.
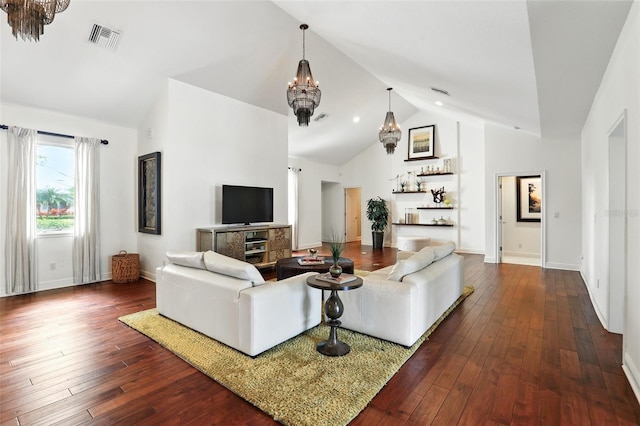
[[378, 239], [335, 270]]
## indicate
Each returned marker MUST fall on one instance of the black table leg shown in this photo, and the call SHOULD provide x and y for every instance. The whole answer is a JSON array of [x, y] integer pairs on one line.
[[333, 308]]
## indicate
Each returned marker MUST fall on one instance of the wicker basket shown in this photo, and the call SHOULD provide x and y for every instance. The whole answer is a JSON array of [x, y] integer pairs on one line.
[[125, 267]]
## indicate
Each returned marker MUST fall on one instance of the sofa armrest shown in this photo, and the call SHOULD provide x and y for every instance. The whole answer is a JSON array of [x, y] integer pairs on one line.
[[276, 311], [382, 308], [402, 255]]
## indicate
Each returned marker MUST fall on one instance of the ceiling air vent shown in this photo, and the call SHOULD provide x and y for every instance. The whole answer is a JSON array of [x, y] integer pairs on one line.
[[442, 91], [104, 37], [321, 117]]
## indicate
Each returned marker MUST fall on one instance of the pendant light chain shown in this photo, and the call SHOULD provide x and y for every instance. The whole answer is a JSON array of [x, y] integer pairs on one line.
[[303, 44]]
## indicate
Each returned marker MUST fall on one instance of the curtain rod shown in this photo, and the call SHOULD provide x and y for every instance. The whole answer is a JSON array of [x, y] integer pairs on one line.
[[102, 141]]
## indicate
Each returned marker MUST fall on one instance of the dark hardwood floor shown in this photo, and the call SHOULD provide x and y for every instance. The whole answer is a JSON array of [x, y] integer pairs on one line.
[[525, 348]]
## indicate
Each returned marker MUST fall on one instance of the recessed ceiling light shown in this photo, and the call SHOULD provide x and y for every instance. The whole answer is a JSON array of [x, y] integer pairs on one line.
[[439, 103], [356, 119]]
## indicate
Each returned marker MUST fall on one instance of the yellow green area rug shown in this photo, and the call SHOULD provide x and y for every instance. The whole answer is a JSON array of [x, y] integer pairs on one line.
[[292, 382]]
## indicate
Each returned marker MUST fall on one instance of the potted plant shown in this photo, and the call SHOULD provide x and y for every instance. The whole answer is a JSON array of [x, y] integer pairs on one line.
[[336, 246], [378, 214]]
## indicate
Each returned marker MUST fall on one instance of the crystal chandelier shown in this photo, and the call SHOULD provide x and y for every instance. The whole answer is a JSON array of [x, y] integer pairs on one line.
[[390, 131], [27, 18], [303, 95]]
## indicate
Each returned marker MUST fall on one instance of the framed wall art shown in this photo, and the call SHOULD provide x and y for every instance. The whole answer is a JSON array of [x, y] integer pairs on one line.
[[529, 198], [149, 194], [421, 142]]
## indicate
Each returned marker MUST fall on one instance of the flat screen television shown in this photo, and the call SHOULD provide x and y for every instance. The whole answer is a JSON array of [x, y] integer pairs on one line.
[[246, 204]]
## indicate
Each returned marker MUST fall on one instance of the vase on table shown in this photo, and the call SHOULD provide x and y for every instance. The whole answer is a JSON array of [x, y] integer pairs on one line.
[[335, 270]]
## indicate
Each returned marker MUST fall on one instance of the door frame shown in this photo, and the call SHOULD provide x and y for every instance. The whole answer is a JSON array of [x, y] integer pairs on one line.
[[498, 215], [346, 208]]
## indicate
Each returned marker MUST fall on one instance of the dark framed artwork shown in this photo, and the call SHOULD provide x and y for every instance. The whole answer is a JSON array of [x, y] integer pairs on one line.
[[529, 198], [421, 142], [149, 205]]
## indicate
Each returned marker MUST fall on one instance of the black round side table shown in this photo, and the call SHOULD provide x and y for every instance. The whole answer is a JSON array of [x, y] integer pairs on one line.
[[333, 308]]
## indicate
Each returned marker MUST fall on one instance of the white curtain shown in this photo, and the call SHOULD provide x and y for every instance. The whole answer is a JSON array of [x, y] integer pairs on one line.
[[293, 206], [20, 244], [86, 238]]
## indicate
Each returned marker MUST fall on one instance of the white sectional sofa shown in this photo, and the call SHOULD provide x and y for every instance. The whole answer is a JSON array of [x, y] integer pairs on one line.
[[228, 300], [400, 302]]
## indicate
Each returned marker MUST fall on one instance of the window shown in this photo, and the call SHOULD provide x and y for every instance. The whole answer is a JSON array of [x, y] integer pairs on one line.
[[55, 185]]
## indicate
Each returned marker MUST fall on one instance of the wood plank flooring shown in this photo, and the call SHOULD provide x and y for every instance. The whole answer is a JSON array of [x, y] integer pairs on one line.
[[526, 348]]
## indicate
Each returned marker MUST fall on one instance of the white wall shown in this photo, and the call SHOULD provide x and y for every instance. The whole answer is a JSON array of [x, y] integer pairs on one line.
[[513, 152], [117, 211], [619, 90], [333, 208], [310, 200], [208, 140], [458, 138], [518, 238]]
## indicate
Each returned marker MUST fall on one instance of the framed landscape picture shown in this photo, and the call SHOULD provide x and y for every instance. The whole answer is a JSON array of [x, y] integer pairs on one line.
[[529, 198], [421, 142], [149, 218]]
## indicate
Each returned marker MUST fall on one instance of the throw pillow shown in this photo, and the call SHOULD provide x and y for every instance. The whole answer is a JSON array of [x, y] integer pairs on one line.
[[416, 262], [192, 259], [216, 262], [443, 250]]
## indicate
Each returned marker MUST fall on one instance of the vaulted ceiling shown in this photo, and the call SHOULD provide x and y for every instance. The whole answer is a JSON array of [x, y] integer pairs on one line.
[[535, 65]]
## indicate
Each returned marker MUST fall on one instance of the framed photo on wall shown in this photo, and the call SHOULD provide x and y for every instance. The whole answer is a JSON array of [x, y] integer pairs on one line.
[[529, 198], [149, 194], [421, 142]]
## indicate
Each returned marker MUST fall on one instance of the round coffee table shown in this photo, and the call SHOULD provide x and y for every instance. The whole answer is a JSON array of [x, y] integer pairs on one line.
[[290, 267], [333, 308]]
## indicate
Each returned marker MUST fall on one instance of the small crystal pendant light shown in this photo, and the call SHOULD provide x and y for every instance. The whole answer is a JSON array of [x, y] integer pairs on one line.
[[390, 131], [303, 95]]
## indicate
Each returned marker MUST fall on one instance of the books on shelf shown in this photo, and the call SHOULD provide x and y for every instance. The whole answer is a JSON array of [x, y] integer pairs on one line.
[[342, 279], [308, 260]]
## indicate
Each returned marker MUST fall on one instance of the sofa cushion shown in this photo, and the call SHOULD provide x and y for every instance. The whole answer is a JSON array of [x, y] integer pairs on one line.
[[216, 262], [443, 250], [416, 262], [192, 259]]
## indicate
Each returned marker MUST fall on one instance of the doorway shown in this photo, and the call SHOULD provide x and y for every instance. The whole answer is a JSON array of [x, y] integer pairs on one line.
[[353, 214], [519, 226], [617, 226]]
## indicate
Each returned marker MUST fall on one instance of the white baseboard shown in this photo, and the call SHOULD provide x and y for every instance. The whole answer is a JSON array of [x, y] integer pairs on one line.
[[601, 317], [520, 254], [488, 259], [54, 284], [311, 245], [563, 266], [148, 276], [632, 373], [469, 251]]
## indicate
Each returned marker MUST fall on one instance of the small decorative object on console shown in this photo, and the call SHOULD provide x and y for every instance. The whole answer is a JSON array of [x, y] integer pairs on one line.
[[308, 260]]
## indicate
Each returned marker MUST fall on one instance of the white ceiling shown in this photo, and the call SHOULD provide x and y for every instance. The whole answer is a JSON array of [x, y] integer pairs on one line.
[[531, 64]]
